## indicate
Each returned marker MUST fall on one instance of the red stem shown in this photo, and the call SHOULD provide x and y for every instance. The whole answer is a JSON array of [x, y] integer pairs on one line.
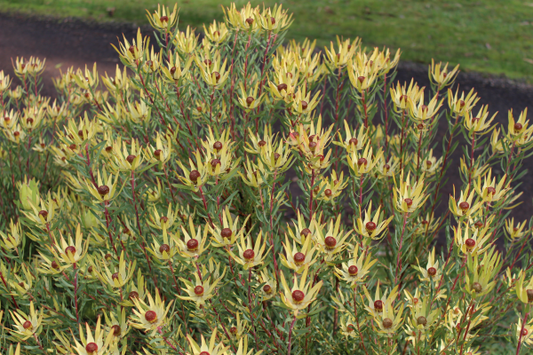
[[521, 332], [290, 335], [399, 260]]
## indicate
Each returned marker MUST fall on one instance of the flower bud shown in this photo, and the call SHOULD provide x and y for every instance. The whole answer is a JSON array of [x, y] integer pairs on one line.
[[29, 192], [226, 233], [150, 316], [130, 158], [103, 190], [476, 286], [421, 320], [164, 248], [217, 145], [299, 258], [352, 270], [330, 242], [370, 226], [194, 175], [298, 296], [387, 323], [470, 243], [199, 290], [305, 232], [464, 205], [529, 295], [116, 330], [248, 254], [192, 244], [91, 348]]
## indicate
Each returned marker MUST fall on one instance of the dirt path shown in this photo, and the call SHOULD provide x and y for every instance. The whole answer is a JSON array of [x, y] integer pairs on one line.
[[76, 43], [66, 43]]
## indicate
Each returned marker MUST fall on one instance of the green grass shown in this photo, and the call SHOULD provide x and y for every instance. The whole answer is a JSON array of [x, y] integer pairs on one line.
[[490, 36]]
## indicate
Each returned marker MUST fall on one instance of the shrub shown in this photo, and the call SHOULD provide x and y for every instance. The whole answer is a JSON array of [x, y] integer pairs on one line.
[[233, 195]]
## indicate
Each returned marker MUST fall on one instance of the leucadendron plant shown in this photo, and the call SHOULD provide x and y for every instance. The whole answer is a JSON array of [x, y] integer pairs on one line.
[[235, 193]]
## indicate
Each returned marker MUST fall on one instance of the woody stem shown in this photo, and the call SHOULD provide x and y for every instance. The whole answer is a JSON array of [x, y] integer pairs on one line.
[[399, 260], [250, 304], [521, 332], [139, 226], [290, 335], [107, 220]]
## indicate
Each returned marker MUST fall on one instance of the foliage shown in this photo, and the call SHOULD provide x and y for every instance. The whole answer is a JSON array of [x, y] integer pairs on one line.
[[232, 195]]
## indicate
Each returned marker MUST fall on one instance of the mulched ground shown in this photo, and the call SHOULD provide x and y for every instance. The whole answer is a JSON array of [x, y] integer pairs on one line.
[[75, 43]]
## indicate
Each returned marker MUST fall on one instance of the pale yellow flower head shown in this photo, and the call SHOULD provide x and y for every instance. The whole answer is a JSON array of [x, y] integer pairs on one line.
[[377, 304], [193, 243], [73, 251], [479, 124], [162, 19], [472, 240], [301, 294], [151, 316], [298, 259], [357, 268], [249, 255], [211, 348], [363, 162], [410, 194], [371, 226], [121, 275], [92, 344], [461, 105], [200, 291], [440, 75], [26, 325]]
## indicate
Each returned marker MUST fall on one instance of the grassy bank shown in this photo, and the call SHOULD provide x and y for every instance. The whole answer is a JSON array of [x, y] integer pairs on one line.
[[490, 36]]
